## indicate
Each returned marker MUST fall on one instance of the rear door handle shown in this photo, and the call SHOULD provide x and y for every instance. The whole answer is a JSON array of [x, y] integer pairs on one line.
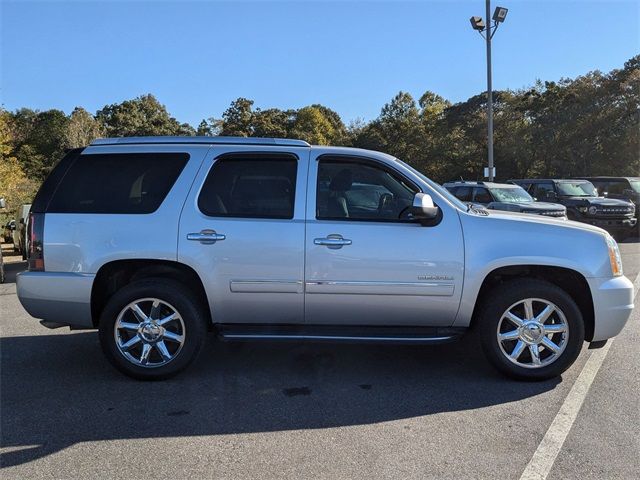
[[332, 241], [206, 236]]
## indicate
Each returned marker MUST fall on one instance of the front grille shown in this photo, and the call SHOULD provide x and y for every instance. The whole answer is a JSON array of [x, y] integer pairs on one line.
[[614, 211]]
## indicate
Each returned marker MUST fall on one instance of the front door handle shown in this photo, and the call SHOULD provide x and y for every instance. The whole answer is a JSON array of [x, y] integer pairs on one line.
[[207, 237], [332, 241]]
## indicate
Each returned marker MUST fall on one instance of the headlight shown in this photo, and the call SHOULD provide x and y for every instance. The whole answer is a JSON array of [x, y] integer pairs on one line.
[[583, 209], [614, 256]]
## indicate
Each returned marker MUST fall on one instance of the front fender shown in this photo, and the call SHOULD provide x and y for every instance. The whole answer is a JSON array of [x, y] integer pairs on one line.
[[499, 241]]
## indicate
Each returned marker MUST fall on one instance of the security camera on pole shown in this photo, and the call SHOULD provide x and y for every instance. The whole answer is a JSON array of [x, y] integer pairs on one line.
[[478, 24]]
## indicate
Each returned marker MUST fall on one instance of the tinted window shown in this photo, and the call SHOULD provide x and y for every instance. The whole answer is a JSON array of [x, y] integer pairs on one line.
[[541, 190], [361, 191], [615, 187], [117, 183], [464, 193], [481, 195], [250, 187]]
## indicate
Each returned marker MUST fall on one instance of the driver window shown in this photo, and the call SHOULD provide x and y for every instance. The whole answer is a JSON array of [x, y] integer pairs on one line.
[[353, 190]]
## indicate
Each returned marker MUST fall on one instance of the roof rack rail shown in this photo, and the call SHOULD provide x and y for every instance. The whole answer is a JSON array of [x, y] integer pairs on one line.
[[288, 142]]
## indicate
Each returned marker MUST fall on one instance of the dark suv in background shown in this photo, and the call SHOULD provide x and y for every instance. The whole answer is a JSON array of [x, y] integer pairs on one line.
[[584, 204], [622, 188], [503, 196]]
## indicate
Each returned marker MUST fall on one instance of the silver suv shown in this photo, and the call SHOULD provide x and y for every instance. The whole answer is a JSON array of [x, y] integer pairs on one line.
[[154, 241]]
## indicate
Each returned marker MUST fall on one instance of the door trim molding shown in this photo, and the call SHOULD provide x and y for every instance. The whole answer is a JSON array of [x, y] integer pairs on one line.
[[266, 286], [380, 288]]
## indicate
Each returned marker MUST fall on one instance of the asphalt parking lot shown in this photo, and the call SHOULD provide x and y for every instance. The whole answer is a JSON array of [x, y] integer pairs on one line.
[[310, 411]]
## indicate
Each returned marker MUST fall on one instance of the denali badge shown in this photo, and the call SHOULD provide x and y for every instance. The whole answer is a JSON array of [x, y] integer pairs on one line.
[[434, 277]]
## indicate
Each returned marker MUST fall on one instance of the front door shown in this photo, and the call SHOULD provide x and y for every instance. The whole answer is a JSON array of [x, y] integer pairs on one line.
[[367, 263], [242, 231]]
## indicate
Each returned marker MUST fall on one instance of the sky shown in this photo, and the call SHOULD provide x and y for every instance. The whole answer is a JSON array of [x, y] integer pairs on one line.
[[196, 57]]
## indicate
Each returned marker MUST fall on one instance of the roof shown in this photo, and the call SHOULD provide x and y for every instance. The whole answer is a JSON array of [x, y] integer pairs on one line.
[[607, 177], [201, 140], [547, 179], [469, 183]]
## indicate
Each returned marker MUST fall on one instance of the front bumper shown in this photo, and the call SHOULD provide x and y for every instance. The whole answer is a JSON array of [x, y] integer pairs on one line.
[[612, 225], [612, 305], [57, 298]]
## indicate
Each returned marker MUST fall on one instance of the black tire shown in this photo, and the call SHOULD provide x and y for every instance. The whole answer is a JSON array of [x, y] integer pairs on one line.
[[507, 294], [166, 290]]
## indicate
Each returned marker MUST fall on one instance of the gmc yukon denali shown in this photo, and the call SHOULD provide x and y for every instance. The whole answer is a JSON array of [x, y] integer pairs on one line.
[[155, 241]]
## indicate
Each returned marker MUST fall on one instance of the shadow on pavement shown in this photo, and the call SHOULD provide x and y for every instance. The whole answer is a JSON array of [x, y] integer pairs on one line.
[[57, 390]]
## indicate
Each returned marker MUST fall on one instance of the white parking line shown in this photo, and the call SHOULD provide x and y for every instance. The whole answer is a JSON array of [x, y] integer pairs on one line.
[[545, 455]]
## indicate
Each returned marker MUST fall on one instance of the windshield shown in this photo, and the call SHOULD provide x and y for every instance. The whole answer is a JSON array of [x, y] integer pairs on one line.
[[577, 189], [635, 185], [511, 195]]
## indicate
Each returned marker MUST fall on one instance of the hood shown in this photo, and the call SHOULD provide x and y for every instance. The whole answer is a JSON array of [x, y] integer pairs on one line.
[[543, 220], [528, 206], [596, 201]]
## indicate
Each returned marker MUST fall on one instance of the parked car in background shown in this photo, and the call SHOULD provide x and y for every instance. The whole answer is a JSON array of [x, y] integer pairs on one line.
[[503, 196], [622, 188], [3, 205], [584, 204], [7, 231], [20, 232]]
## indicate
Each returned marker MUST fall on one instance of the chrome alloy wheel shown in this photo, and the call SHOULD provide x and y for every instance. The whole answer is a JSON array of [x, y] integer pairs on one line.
[[533, 333], [149, 332]]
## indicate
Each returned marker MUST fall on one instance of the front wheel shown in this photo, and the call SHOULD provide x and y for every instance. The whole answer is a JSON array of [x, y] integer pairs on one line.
[[152, 329], [530, 329]]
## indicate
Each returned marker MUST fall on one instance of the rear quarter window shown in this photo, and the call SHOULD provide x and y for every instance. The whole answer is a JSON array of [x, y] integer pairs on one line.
[[117, 183]]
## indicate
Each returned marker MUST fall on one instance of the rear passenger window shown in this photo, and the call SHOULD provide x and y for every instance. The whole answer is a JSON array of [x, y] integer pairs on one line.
[[117, 183], [258, 186], [481, 195], [464, 194], [542, 190]]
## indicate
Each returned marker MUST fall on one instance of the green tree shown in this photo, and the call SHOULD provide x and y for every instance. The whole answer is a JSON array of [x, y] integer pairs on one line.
[[82, 129], [15, 187], [41, 141], [142, 116], [273, 122], [313, 126], [237, 119]]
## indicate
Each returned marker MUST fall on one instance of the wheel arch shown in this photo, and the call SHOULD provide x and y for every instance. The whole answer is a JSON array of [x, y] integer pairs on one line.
[[571, 281], [116, 274]]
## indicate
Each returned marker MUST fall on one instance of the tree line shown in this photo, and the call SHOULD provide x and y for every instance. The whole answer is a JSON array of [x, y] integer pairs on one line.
[[589, 125]]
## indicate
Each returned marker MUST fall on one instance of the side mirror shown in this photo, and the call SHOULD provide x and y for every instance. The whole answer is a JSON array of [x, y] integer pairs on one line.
[[423, 210]]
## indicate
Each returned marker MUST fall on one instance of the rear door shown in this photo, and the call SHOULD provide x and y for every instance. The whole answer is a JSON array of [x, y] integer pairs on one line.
[[242, 230]]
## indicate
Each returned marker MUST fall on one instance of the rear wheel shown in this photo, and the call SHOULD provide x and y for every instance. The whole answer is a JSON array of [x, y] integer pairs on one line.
[[152, 329], [530, 329]]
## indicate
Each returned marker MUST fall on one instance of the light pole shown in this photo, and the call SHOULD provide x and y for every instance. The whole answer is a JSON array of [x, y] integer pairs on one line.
[[489, 30]]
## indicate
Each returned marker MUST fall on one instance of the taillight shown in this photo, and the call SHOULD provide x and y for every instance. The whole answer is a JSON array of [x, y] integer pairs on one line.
[[35, 233]]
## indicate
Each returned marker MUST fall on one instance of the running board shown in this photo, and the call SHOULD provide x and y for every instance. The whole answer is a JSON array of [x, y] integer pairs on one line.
[[338, 333]]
